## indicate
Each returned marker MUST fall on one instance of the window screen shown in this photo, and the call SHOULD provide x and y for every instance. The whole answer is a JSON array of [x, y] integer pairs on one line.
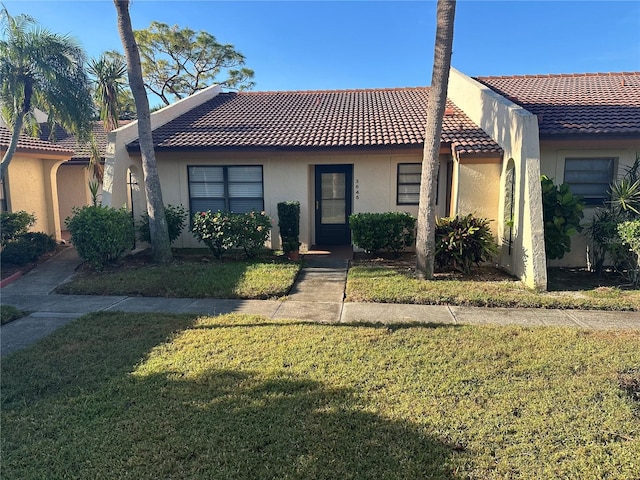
[[236, 189], [589, 177], [409, 183]]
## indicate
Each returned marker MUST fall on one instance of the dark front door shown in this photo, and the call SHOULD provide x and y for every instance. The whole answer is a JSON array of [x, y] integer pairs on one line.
[[334, 185]]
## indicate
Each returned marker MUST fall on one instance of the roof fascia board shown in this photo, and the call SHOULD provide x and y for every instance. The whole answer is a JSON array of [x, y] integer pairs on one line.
[[329, 149], [590, 136], [54, 154]]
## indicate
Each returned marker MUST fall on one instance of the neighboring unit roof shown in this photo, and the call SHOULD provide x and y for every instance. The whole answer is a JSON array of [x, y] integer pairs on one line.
[[28, 143], [318, 120], [569, 104], [81, 151]]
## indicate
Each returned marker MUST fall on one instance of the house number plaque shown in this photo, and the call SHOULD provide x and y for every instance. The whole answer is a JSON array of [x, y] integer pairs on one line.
[[357, 189]]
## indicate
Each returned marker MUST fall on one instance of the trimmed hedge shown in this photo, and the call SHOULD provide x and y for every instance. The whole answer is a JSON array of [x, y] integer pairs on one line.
[[100, 234], [222, 231], [378, 232], [27, 248], [289, 224]]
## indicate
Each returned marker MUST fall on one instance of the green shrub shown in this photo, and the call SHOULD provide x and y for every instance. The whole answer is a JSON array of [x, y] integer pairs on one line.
[[27, 247], [40, 241], [377, 232], [462, 241], [289, 224], [215, 230], [176, 216], [19, 252], [630, 234], [562, 212], [602, 234], [250, 231], [15, 224], [222, 231], [100, 234], [605, 242]]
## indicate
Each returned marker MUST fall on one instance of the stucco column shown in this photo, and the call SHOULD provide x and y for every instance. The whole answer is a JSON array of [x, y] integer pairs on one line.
[[51, 196]]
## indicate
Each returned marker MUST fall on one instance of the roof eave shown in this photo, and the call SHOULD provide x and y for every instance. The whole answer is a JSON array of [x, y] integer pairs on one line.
[[589, 136]]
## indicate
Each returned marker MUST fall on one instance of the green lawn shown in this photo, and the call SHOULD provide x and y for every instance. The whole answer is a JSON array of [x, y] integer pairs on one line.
[[396, 285], [240, 279], [9, 313], [133, 396]]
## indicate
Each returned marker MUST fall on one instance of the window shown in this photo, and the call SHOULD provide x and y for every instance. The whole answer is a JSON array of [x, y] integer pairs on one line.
[[509, 204], [229, 188], [589, 177], [409, 183]]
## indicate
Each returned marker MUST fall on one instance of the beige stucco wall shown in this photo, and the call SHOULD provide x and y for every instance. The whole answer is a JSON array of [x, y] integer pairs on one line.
[[478, 189], [553, 155], [73, 189], [516, 131], [31, 186], [289, 176]]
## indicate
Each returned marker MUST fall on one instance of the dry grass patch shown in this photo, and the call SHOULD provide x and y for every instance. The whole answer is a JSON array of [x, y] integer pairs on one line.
[[395, 282], [235, 397]]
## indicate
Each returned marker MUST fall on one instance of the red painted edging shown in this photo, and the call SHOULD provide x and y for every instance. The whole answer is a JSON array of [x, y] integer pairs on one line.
[[10, 279]]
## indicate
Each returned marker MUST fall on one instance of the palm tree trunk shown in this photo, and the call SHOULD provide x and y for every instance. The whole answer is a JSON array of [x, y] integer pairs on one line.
[[17, 128], [160, 244], [13, 144], [425, 239]]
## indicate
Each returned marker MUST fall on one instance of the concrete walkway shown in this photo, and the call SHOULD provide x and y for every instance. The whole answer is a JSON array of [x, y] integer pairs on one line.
[[317, 296]]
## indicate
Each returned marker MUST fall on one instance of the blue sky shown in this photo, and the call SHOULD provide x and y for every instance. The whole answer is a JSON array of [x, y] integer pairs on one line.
[[308, 45]]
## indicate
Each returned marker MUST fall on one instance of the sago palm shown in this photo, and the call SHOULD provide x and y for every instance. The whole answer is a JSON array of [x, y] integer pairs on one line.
[[44, 70]]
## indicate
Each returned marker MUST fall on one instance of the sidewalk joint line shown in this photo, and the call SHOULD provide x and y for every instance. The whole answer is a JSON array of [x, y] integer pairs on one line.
[[574, 319], [113, 304], [453, 315]]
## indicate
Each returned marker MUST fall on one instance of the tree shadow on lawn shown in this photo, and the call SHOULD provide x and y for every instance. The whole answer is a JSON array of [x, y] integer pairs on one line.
[[576, 279], [88, 414]]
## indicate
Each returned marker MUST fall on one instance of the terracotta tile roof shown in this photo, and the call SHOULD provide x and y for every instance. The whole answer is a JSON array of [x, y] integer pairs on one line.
[[81, 151], [26, 142], [318, 120], [590, 103]]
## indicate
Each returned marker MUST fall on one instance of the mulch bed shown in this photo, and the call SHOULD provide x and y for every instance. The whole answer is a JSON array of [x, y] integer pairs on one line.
[[559, 279]]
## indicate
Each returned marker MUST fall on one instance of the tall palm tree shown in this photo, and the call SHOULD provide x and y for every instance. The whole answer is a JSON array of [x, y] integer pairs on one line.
[[425, 239], [44, 70], [108, 76], [160, 244], [109, 79]]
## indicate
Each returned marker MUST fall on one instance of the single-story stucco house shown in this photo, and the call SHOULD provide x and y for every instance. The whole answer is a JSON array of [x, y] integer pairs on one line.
[[347, 151], [31, 183], [48, 175]]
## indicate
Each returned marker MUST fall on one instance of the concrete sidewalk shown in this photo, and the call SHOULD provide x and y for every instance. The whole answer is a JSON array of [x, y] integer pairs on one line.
[[317, 296]]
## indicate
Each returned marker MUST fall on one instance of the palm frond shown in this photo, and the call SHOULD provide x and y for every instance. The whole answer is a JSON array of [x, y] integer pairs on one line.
[[108, 74]]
